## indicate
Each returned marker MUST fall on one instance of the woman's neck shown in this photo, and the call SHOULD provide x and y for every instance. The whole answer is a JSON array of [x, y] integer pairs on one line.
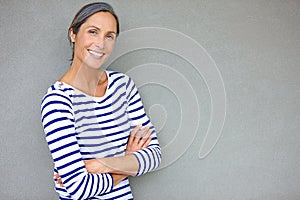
[[88, 80]]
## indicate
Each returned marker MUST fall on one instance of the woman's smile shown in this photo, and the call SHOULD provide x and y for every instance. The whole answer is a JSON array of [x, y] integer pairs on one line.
[[96, 54]]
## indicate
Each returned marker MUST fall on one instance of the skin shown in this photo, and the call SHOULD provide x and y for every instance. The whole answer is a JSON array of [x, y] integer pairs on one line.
[[93, 45], [120, 167], [138, 139]]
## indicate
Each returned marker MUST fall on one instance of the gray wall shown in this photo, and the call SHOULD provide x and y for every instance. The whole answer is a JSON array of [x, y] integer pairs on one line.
[[254, 45]]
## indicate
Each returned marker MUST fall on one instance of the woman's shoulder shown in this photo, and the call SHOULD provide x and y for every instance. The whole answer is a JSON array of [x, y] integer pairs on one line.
[[115, 75], [57, 97], [59, 89]]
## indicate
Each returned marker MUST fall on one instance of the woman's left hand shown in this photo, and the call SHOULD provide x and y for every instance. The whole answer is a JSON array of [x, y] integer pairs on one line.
[[139, 138]]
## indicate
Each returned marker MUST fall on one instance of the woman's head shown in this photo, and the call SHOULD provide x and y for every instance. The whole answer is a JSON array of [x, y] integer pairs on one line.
[[87, 14]]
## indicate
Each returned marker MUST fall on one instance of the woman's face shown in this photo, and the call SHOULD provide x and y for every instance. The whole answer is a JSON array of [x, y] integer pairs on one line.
[[95, 40]]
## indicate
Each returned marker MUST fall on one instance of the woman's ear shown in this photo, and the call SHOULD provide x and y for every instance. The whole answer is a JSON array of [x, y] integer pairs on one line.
[[72, 35]]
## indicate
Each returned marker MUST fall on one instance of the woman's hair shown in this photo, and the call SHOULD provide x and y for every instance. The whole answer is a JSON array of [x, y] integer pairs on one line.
[[84, 13]]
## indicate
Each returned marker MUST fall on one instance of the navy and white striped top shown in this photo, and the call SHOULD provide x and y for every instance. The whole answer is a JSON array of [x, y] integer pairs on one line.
[[78, 126]]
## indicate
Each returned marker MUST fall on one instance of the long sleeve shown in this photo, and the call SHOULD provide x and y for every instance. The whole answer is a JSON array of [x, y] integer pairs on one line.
[[59, 127], [149, 158]]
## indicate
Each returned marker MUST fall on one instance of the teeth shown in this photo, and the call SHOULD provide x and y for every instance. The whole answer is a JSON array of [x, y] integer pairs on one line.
[[96, 53]]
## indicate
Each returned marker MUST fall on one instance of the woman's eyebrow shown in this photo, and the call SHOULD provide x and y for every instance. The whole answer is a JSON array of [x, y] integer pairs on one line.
[[92, 26]]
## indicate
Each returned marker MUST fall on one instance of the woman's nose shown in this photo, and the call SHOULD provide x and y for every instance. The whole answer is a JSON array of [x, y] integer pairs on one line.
[[100, 43]]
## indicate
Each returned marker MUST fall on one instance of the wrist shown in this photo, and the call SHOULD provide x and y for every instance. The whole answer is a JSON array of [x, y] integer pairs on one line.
[[105, 166], [120, 165], [97, 166]]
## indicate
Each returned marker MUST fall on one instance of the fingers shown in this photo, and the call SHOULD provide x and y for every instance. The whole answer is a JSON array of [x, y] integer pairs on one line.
[[145, 145], [146, 139], [56, 176], [133, 133], [58, 180], [143, 138], [139, 138]]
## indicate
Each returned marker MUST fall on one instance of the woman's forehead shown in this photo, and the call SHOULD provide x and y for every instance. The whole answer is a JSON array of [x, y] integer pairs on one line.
[[102, 20]]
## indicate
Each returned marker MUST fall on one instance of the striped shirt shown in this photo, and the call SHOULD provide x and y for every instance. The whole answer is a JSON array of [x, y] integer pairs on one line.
[[78, 126]]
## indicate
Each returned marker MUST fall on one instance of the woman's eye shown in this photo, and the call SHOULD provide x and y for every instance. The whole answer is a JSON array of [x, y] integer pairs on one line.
[[110, 37], [93, 32]]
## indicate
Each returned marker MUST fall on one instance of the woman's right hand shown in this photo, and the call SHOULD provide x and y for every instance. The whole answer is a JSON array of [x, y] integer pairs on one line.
[[140, 137], [58, 180]]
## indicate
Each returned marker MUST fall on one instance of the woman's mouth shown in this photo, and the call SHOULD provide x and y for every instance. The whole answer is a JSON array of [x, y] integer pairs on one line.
[[96, 54]]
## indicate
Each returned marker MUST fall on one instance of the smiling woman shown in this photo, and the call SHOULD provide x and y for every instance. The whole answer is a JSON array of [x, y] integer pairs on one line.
[[94, 121], [97, 32], [92, 43]]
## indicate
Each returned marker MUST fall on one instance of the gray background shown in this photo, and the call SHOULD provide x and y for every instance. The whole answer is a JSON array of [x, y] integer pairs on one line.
[[255, 45]]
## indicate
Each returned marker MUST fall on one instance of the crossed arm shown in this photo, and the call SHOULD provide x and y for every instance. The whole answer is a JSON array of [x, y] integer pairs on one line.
[[80, 179], [123, 166]]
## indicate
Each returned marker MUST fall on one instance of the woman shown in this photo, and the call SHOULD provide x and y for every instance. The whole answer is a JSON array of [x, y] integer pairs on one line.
[[95, 124]]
